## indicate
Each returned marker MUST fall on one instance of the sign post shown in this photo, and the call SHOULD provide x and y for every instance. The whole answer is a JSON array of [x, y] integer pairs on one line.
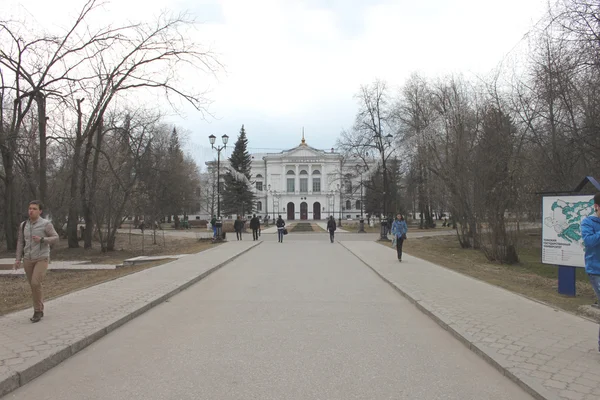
[[566, 280]]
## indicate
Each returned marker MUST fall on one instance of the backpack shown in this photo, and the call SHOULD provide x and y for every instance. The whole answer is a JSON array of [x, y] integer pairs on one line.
[[23, 236]]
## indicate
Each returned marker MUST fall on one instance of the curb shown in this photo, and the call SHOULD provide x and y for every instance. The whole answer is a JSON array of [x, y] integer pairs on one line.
[[18, 379], [534, 389]]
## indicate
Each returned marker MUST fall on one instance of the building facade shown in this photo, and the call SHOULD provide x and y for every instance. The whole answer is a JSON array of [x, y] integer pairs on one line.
[[304, 183]]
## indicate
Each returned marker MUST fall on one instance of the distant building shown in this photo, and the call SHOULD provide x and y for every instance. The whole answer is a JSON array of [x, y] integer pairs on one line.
[[303, 183]]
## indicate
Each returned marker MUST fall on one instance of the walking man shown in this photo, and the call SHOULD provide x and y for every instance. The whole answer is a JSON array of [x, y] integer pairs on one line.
[[238, 226], [33, 249], [399, 229], [280, 227], [590, 232], [331, 228], [255, 226]]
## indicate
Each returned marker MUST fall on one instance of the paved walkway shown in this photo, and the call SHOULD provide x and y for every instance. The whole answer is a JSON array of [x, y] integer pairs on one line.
[[74, 321], [552, 353], [297, 324]]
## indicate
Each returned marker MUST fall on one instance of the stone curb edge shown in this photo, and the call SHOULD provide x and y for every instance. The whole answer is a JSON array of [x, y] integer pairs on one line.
[[534, 389], [18, 379]]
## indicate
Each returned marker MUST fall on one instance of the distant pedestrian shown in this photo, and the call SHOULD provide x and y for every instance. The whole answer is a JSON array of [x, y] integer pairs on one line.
[[33, 248], [331, 227], [255, 226], [280, 228], [399, 230], [590, 232], [238, 227], [213, 223]]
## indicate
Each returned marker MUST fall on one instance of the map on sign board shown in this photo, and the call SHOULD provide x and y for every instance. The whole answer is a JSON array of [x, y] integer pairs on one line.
[[562, 243]]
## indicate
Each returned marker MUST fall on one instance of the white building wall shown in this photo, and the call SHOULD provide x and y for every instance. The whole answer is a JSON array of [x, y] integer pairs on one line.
[[275, 199]]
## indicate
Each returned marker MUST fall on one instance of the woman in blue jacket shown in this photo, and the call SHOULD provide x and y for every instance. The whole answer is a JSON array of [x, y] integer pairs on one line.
[[399, 230], [590, 232]]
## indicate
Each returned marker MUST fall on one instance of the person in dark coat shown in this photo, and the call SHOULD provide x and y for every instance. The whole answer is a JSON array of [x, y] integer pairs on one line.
[[238, 226], [280, 227], [331, 227], [255, 226]]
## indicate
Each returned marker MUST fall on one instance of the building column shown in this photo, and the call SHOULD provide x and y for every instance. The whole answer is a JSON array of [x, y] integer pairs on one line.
[[297, 185]]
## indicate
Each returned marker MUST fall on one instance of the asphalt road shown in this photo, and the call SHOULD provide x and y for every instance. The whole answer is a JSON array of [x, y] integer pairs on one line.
[[299, 320]]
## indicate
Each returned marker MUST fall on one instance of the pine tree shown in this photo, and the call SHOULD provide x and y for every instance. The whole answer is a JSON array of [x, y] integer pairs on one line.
[[238, 196]]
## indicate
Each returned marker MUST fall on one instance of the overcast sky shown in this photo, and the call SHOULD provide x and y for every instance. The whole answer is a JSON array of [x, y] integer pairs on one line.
[[293, 64]]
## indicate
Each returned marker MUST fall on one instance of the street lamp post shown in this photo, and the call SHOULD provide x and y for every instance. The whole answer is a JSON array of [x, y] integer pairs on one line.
[[382, 143], [212, 139], [361, 223], [340, 187], [267, 204]]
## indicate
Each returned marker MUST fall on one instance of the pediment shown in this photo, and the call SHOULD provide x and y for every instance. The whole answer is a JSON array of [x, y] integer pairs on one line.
[[303, 151]]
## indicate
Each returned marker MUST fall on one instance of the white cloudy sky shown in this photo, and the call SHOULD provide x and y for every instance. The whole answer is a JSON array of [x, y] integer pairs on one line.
[[293, 64]]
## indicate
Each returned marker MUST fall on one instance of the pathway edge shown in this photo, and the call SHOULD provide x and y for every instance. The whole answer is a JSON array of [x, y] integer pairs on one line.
[[534, 389], [20, 378]]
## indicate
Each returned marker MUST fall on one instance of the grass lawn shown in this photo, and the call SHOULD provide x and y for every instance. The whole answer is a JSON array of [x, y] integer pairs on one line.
[[530, 277], [16, 294]]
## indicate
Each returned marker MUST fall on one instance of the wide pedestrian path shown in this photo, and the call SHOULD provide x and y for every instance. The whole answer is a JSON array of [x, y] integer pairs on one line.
[[77, 319], [304, 319], [552, 353]]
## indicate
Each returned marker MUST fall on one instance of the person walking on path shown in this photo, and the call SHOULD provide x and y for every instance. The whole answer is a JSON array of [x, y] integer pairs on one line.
[[238, 226], [399, 229], [590, 232], [331, 227], [280, 227], [255, 226], [33, 249]]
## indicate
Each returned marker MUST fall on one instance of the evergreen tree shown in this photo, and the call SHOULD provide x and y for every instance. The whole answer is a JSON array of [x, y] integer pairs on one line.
[[238, 195]]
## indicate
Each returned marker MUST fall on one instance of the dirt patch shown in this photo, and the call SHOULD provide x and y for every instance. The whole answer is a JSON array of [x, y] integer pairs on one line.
[[16, 294], [530, 277]]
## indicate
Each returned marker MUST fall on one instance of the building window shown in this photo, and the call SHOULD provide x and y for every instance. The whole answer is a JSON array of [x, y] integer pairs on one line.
[[358, 204], [304, 185], [348, 205], [259, 186], [316, 185], [259, 176], [348, 186], [316, 172], [259, 206], [291, 185]]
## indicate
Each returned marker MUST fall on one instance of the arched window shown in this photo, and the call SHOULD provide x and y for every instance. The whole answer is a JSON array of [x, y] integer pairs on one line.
[[348, 205], [259, 206], [358, 204], [259, 176], [316, 172], [290, 172], [303, 172]]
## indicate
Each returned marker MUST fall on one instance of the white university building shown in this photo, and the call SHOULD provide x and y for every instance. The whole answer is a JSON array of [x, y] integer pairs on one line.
[[303, 183]]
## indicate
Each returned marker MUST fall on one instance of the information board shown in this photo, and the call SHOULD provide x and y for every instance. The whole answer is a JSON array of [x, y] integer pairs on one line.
[[562, 243]]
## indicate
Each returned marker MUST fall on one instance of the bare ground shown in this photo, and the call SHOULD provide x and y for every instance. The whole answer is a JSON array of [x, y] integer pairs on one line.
[[16, 294], [530, 277]]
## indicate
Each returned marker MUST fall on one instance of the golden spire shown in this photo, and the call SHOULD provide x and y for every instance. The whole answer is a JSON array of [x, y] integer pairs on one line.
[[303, 141]]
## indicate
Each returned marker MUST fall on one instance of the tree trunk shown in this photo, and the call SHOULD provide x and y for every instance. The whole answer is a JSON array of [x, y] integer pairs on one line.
[[72, 231], [72, 234], [88, 209], [42, 120], [10, 208]]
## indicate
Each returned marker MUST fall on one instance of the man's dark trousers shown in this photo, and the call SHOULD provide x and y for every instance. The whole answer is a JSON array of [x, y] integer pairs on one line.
[[255, 234]]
